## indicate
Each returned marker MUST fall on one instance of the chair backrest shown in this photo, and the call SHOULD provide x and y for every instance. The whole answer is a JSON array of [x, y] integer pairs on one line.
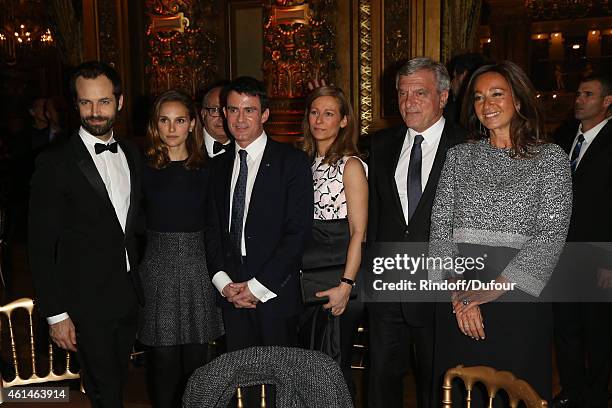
[[518, 390], [303, 378], [35, 377]]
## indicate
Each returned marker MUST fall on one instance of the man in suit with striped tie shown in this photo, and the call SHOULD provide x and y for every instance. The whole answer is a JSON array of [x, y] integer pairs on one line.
[[583, 331]]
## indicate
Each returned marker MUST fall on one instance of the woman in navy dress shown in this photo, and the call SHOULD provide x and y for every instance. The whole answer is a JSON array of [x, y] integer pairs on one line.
[[180, 317]]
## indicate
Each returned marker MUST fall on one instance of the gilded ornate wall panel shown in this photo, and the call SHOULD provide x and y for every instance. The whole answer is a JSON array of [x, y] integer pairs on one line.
[[397, 50], [182, 44], [299, 46], [301, 43], [391, 31], [365, 65]]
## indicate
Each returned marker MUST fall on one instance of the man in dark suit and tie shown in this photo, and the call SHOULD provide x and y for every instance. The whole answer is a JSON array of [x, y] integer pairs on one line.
[[583, 331], [216, 139], [405, 165], [260, 215], [82, 249]]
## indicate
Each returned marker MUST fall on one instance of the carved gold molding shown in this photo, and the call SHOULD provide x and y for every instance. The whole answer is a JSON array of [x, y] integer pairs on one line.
[[299, 46], [290, 15], [176, 22], [182, 45], [365, 65]]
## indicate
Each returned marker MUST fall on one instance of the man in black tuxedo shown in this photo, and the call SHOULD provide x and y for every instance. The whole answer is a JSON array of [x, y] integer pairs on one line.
[[216, 138], [405, 165], [82, 248], [260, 215], [583, 331]]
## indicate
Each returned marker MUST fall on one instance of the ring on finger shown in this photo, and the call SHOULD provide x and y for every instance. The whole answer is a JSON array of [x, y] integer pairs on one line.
[[465, 302]]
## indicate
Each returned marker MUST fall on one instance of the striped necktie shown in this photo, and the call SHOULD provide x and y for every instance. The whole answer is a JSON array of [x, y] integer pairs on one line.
[[576, 153]]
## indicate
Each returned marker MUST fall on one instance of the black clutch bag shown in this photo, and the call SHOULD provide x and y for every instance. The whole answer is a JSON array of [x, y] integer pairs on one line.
[[324, 259]]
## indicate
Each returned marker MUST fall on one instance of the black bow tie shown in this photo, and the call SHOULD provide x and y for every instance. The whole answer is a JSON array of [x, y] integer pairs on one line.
[[217, 147], [101, 147]]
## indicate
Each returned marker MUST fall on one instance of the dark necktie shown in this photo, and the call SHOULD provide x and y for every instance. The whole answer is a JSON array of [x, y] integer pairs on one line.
[[414, 175], [576, 153], [218, 147], [238, 202], [101, 147]]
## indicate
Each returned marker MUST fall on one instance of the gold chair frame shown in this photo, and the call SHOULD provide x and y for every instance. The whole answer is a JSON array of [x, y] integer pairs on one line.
[[518, 390], [35, 378], [240, 399]]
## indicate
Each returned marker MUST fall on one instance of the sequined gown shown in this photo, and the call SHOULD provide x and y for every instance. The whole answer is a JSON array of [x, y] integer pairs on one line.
[[517, 212]]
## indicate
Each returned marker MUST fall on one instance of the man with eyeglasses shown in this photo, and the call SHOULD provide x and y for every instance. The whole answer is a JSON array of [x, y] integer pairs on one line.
[[216, 139]]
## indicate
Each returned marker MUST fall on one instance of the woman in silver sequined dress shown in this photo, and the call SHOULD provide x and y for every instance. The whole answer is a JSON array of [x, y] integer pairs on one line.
[[504, 196], [180, 317]]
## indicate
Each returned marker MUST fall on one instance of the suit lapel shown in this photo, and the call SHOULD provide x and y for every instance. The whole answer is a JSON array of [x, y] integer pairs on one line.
[[87, 166], [226, 166], [395, 150], [262, 175], [134, 185], [436, 169], [600, 144]]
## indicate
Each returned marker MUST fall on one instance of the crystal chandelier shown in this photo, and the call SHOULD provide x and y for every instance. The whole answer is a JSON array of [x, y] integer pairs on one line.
[[22, 27]]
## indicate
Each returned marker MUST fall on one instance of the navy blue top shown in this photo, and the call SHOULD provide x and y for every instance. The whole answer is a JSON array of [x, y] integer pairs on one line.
[[175, 198]]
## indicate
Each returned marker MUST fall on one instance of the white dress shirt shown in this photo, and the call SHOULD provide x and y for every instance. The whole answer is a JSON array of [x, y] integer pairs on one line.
[[589, 136], [209, 141], [255, 152], [114, 170], [429, 147]]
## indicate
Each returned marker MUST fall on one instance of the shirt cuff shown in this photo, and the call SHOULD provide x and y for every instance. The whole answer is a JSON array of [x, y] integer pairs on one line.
[[57, 318], [221, 280], [260, 291]]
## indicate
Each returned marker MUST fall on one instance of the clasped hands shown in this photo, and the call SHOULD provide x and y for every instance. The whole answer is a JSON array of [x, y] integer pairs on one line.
[[240, 295], [466, 307]]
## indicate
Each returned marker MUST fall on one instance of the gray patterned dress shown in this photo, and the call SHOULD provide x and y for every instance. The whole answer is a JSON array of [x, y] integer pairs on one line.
[[517, 211], [179, 296]]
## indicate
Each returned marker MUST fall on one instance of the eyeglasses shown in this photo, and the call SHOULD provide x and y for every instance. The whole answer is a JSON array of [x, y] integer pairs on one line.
[[215, 111]]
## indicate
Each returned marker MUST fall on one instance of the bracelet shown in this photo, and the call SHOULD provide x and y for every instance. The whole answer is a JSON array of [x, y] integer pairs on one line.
[[347, 280]]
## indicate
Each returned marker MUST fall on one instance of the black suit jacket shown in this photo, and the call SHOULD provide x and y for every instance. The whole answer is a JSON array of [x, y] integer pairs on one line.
[[591, 219], [386, 222], [592, 189], [76, 243], [278, 222]]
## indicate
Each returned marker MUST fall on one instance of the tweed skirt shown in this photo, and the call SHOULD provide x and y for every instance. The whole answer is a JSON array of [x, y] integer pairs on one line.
[[179, 297]]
